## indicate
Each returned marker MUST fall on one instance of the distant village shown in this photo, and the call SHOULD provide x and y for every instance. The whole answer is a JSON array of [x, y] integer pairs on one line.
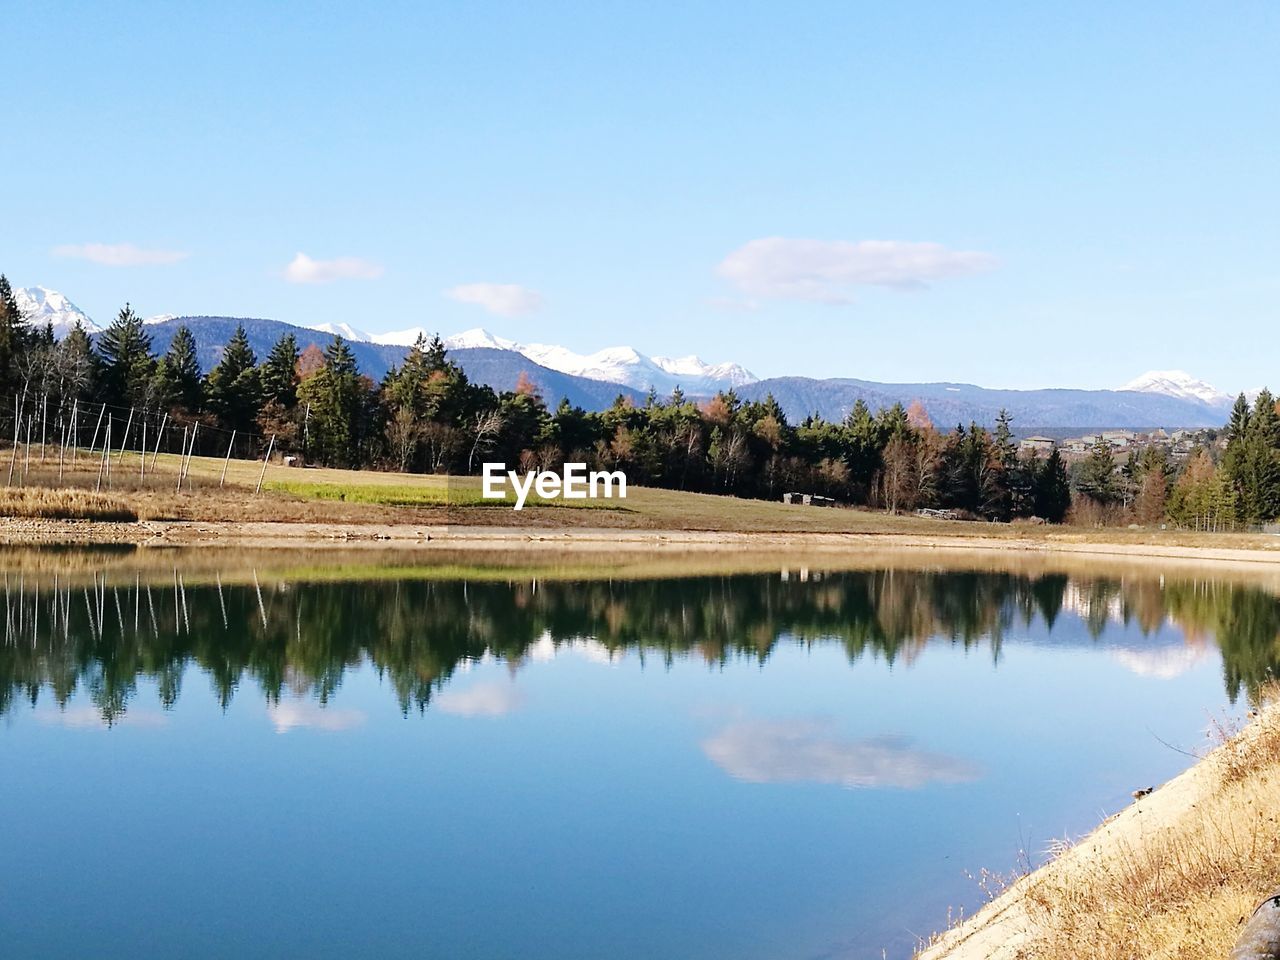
[[1177, 443]]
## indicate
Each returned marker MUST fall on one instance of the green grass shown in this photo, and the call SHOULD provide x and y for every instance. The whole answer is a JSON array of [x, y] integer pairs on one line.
[[433, 494]]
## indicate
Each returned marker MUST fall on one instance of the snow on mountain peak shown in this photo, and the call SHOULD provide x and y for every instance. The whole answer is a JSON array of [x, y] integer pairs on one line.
[[622, 365], [344, 330], [40, 305], [1180, 384], [478, 337]]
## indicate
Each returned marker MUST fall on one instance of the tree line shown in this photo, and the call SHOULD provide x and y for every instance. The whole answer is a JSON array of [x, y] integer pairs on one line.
[[427, 416]]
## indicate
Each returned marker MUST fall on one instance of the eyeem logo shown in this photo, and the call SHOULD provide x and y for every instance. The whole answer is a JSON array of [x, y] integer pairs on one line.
[[575, 484]]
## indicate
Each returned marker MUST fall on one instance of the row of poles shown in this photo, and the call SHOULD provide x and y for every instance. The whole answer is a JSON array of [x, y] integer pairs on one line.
[[25, 605], [69, 435]]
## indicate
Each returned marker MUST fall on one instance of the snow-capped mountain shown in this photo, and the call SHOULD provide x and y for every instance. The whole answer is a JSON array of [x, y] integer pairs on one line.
[[344, 330], [40, 305], [622, 365], [1180, 384]]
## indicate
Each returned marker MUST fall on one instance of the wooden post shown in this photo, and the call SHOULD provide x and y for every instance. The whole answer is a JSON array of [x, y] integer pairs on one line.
[[142, 452], [75, 427], [94, 444], [17, 425], [186, 466], [227, 462], [265, 461], [44, 424], [125, 439], [62, 450], [180, 458], [106, 447], [26, 462], [159, 437]]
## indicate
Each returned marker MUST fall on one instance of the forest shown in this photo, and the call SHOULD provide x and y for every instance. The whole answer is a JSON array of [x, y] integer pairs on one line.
[[426, 416]]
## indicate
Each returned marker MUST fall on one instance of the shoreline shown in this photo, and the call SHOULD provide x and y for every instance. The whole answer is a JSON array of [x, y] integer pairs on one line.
[[17, 532], [1066, 901]]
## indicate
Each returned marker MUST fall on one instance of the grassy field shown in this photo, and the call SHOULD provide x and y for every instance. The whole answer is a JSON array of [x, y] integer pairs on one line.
[[331, 496], [323, 495]]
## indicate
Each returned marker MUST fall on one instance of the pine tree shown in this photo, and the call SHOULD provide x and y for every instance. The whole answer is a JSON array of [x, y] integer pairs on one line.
[[337, 412], [1052, 489], [1097, 478], [234, 389], [280, 372], [1239, 422], [127, 364], [1010, 499], [13, 335], [178, 377]]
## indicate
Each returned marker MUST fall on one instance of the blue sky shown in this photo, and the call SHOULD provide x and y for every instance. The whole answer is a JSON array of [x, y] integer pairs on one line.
[[1017, 194]]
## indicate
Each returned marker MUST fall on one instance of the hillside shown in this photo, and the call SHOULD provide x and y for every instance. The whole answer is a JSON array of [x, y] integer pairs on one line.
[[947, 403], [952, 403], [500, 369]]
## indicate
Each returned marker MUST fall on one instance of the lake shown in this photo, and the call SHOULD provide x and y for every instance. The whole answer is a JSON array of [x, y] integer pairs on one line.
[[216, 755]]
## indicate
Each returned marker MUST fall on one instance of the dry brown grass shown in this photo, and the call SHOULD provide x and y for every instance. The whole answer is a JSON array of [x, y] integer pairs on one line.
[[63, 504], [1175, 878]]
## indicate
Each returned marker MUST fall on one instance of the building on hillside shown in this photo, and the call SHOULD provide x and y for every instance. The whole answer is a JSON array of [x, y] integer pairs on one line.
[[1119, 439], [1038, 444]]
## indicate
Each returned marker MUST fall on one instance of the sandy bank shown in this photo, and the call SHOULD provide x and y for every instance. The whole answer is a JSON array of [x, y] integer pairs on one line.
[[15, 532], [1174, 874]]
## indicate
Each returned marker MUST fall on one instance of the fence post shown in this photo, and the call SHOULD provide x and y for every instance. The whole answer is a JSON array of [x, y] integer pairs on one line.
[[17, 425], [94, 444], [44, 424], [265, 461], [227, 462], [159, 437], [181, 456], [186, 465], [125, 439], [106, 448]]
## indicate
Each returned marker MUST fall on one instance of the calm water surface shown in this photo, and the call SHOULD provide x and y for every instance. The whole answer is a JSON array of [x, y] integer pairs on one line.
[[487, 765]]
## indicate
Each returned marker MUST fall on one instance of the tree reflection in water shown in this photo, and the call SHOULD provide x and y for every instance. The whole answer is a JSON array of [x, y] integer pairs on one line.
[[104, 638]]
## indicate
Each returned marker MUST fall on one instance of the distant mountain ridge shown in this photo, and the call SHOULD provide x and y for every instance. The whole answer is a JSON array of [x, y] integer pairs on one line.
[[1157, 399], [499, 369]]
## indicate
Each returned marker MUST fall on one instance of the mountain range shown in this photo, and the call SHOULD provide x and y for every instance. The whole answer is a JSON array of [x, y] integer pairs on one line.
[[1156, 399]]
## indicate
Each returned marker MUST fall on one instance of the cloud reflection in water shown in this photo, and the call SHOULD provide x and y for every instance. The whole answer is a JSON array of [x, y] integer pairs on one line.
[[812, 751]]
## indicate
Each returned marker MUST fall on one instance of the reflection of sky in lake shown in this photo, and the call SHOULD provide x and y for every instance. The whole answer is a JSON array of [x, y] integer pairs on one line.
[[583, 805]]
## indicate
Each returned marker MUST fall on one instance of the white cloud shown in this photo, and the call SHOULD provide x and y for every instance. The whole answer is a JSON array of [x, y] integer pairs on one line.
[[826, 271], [481, 700], [504, 299], [808, 751], [118, 254], [293, 714], [303, 269]]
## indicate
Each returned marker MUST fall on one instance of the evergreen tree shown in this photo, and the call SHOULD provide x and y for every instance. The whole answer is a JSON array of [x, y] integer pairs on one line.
[[1052, 489], [178, 378], [280, 373], [1097, 478], [1239, 421], [127, 364], [337, 408], [13, 336], [234, 388], [1012, 490]]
